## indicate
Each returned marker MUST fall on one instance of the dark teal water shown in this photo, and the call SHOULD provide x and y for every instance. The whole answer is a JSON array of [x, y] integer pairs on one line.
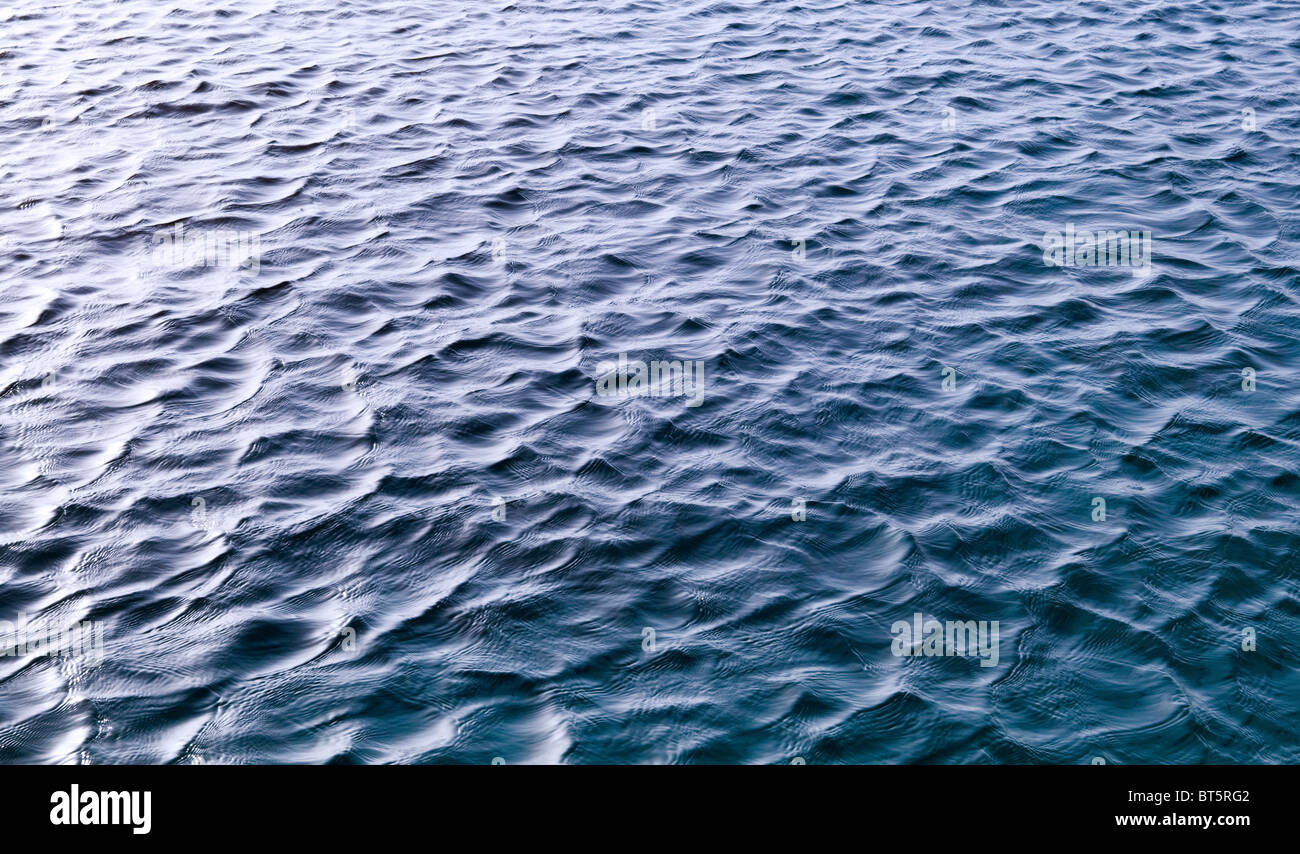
[[343, 486]]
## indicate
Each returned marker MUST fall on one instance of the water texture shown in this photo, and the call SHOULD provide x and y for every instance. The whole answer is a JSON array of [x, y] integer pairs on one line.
[[345, 488]]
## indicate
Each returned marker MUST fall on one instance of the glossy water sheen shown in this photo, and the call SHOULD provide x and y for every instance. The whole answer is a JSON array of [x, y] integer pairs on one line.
[[378, 150]]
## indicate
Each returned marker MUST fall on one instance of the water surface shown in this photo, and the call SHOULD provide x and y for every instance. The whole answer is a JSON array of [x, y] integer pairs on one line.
[[354, 497]]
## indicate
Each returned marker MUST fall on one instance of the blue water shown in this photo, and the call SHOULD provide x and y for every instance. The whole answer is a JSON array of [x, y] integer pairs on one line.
[[349, 492]]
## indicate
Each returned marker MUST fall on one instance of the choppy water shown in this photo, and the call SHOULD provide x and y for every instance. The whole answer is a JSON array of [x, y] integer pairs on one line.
[[275, 486]]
